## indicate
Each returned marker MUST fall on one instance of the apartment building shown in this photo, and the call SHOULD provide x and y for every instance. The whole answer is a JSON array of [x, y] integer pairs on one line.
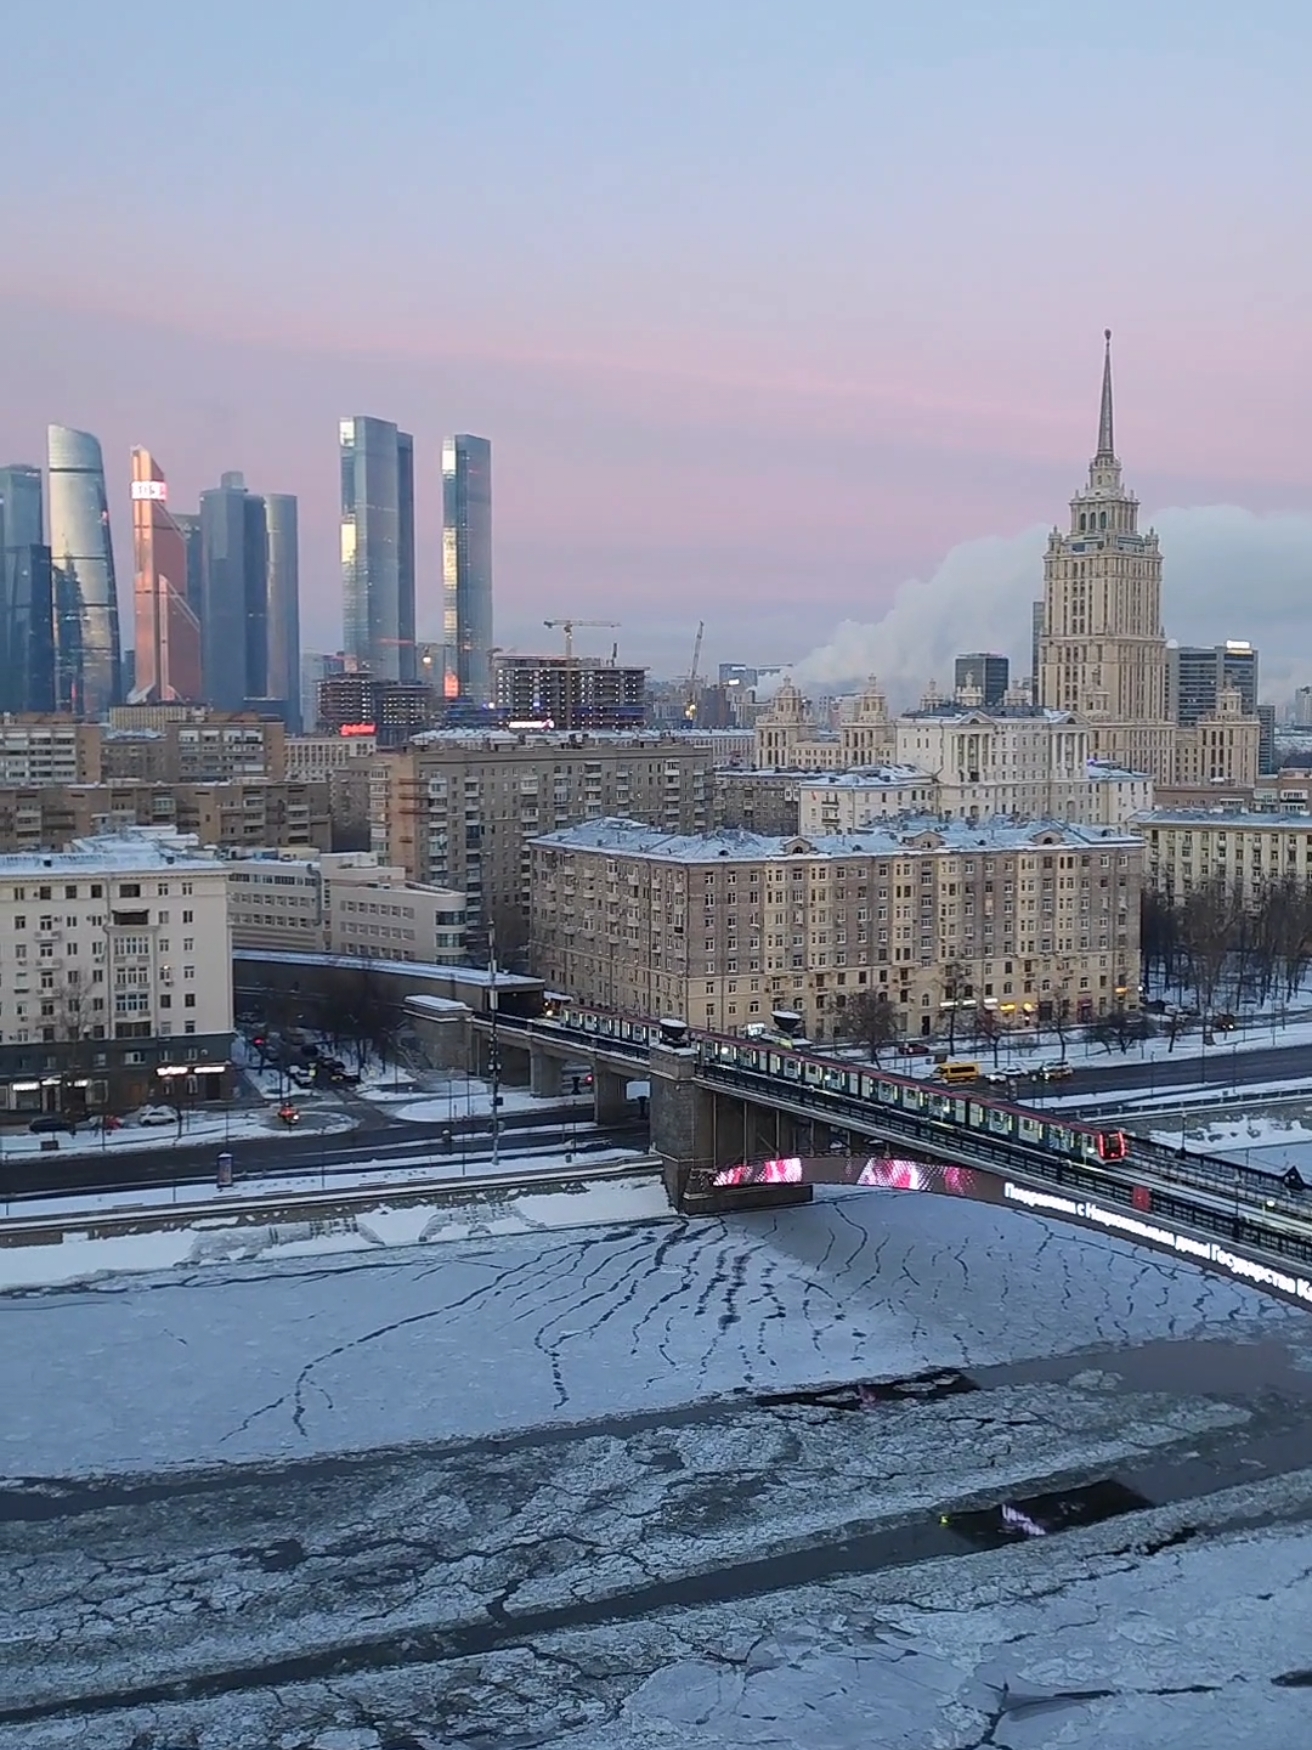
[[787, 736], [1100, 795], [752, 801], [315, 758], [1221, 746], [48, 749], [253, 813], [720, 929], [1189, 848], [115, 975], [457, 810], [342, 903], [960, 761], [202, 747]]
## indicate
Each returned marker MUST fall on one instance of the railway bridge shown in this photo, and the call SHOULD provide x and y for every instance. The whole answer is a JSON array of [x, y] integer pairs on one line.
[[715, 1123]]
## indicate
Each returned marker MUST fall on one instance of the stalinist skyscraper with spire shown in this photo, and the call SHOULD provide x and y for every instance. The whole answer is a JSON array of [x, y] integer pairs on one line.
[[1103, 650]]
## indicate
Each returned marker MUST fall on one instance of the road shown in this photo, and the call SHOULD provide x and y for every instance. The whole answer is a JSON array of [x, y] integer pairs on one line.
[[390, 1143], [1219, 1067]]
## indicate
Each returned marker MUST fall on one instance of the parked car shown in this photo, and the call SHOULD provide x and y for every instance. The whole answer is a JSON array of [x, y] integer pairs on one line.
[[49, 1122], [1053, 1072], [157, 1115]]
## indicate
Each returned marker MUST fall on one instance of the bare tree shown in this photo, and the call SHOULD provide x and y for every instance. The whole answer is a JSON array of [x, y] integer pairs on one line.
[[872, 1021], [1159, 937], [1209, 921], [988, 1030], [953, 986]]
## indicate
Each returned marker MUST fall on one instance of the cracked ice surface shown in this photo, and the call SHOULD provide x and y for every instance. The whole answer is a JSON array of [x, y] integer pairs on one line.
[[502, 1493], [270, 1360]]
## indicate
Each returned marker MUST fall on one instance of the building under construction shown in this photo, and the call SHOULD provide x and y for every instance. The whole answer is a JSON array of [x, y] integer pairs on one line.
[[569, 692]]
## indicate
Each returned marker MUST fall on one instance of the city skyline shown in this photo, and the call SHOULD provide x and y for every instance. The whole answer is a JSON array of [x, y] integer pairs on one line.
[[672, 322]]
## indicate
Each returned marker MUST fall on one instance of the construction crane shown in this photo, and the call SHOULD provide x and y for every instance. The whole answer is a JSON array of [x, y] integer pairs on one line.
[[690, 704], [567, 626]]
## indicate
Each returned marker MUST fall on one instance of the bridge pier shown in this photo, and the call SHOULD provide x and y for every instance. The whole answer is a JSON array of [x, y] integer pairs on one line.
[[610, 1096], [695, 1128], [543, 1073]]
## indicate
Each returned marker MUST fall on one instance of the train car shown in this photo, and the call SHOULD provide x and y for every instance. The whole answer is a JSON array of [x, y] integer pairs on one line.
[[777, 1057], [931, 1101]]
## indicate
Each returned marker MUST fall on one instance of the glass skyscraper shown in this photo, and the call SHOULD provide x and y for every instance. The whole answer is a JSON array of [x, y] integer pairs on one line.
[[234, 594], [378, 547], [27, 615], [167, 656], [86, 592], [467, 566], [282, 604]]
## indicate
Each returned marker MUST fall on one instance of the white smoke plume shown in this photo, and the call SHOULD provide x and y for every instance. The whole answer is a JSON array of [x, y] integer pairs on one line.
[[1228, 573]]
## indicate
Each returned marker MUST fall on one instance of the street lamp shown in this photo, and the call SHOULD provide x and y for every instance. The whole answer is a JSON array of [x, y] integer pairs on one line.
[[495, 1051]]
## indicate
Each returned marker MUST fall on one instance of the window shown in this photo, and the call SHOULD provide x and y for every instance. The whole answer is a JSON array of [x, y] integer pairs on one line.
[[127, 890], [188, 917], [188, 1002], [20, 922]]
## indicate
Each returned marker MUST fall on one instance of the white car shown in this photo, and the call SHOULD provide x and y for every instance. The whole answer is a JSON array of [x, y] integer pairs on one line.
[[157, 1115]]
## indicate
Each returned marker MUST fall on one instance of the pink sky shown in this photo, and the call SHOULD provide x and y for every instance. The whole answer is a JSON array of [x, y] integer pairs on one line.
[[759, 324]]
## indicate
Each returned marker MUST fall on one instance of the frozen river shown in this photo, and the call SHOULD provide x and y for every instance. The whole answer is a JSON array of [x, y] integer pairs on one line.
[[884, 1470]]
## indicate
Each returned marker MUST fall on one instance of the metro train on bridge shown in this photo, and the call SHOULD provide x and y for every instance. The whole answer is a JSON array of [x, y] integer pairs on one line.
[[770, 1058]]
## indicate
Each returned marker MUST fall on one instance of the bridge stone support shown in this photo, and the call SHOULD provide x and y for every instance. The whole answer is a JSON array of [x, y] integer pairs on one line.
[[694, 1128], [610, 1096], [444, 1035], [543, 1073]]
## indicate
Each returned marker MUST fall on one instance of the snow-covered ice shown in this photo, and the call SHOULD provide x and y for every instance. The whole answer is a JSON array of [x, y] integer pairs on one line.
[[570, 1485]]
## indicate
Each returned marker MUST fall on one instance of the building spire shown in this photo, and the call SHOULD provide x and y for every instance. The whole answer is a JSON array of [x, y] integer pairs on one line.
[[1106, 446]]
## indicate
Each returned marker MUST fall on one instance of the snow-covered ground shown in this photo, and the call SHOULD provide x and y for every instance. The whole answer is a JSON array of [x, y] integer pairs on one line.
[[1270, 1140], [570, 1485], [442, 1099], [240, 1125], [1020, 1055]]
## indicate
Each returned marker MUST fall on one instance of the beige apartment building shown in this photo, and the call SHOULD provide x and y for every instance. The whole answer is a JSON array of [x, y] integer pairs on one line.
[[48, 749], [1222, 748], [721, 929], [975, 767], [343, 902], [257, 812], [1187, 849], [116, 974], [190, 745], [457, 811], [786, 736]]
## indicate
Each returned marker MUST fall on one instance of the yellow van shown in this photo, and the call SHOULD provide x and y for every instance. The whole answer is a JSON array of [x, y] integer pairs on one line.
[[958, 1072]]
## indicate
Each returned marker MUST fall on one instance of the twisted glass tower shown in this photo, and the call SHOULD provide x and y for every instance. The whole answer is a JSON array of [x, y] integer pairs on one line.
[[86, 593]]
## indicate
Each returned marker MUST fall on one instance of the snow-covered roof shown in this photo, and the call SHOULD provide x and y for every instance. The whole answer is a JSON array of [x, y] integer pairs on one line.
[[143, 850], [870, 778], [886, 838], [574, 741], [1243, 819], [421, 969]]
